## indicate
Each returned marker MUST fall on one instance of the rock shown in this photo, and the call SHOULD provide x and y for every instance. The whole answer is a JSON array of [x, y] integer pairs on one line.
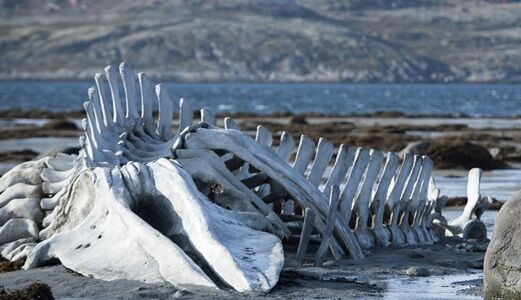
[[61, 124], [59, 149], [418, 147], [33, 291], [291, 261], [494, 152], [417, 272], [18, 155], [297, 119], [449, 153], [502, 268]]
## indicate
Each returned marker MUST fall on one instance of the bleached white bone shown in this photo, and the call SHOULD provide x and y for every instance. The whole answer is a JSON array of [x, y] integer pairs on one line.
[[465, 223], [348, 194], [19, 190], [229, 123], [305, 152], [25, 173], [393, 200], [129, 85], [334, 200], [24, 208], [22, 252], [264, 160], [361, 205], [343, 161], [16, 229], [420, 203], [382, 236], [286, 146], [411, 188], [323, 155], [9, 247], [166, 110], [185, 114]]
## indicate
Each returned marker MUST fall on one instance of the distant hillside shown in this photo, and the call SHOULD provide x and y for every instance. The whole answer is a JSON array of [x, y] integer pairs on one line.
[[265, 40]]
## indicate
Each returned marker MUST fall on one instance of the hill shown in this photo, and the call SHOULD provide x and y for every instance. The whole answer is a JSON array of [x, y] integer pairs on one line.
[[265, 40]]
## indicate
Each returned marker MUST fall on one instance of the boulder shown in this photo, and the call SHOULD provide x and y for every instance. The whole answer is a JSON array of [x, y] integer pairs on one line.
[[451, 153], [418, 147], [502, 266], [61, 124]]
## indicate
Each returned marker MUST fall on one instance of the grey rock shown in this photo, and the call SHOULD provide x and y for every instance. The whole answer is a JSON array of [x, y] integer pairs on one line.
[[502, 266], [419, 147], [417, 272]]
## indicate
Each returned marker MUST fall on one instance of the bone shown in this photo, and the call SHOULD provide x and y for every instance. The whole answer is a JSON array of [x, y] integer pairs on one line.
[[343, 161], [211, 159], [19, 190], [305, 151], [402, 220], [117, 109], [28, 176], [421, 203], [382, 236], [21, 252], [50, 175], [60, 162], [158, 258], [262, 159], [288, 208], [361, 205], [229, 123], [185, 114], [97, 110], [263, 136], [348, 194], [164, 124], [323, 155], [233, 241], [105, 103], [286, 146], [393, 201], [9, 247], [309, 219], [129, 85], [464, 224], [16, 229], [147, 94], [51, 203], [207, 117], [334, 199], [24, 208]]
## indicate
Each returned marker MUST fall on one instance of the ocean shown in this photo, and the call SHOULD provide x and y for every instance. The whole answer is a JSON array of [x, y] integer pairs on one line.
[[485, 100]]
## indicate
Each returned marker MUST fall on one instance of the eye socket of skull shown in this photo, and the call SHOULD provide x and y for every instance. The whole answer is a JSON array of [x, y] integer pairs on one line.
[[158, 212]]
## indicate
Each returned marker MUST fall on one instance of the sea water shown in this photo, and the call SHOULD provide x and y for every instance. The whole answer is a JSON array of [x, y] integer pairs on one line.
[[264, 98]]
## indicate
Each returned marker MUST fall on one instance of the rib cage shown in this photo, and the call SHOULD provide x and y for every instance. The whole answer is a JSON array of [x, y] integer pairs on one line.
[[122, 129]]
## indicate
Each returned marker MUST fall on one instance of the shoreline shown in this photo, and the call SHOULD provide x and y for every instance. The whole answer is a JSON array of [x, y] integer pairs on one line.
[[72, 113]]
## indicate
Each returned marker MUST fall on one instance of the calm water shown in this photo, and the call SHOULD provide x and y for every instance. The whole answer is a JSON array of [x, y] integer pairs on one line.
[[474, 100]]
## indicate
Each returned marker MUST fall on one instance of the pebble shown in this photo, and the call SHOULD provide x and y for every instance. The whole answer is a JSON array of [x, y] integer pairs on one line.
[[417, 272]]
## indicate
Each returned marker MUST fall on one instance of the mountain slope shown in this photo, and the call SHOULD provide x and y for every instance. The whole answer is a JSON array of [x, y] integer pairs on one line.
[[265, 40]]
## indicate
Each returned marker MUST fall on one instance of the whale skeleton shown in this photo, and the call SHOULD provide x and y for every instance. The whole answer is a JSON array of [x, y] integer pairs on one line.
[[204, 205]]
